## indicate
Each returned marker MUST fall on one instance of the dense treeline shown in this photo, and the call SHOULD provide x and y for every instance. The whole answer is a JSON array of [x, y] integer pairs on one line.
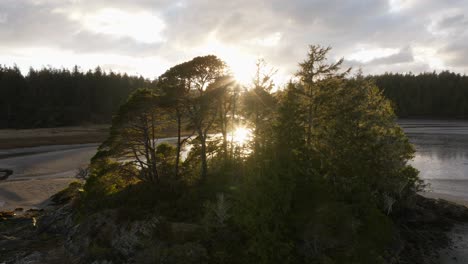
[[443, 95], [61, 97]]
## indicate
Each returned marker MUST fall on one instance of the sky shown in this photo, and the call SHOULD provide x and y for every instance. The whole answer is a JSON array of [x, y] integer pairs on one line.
[[147, 37]]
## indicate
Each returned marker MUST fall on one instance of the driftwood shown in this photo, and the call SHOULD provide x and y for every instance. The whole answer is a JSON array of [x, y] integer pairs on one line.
[[5, 173]]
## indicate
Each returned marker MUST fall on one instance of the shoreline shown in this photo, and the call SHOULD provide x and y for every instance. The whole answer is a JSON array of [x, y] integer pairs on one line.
[[446, 197]]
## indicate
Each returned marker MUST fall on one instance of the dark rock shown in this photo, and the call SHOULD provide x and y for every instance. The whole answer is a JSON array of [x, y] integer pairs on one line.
[[5, 173], [7, 214], [57, 221], [66, 195], [33, 210]]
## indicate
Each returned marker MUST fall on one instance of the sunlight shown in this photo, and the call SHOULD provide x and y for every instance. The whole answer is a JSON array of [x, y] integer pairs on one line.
[[399, 5], [268, 41], [428, 56], [241, 63], [241, 69], [367, 54], [141, 26], [241, 136]]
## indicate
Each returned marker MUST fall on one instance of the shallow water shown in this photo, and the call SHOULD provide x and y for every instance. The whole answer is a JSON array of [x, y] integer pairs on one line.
[[441, 154]]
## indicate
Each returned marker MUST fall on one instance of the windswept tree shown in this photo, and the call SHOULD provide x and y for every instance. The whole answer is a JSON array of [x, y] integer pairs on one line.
[[134, 134], [194, 90], [176, 91]]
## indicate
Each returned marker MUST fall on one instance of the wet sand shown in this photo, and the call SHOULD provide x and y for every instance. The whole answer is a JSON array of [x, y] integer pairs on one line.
[[442, 159], [38, 176], [40, 172], [441, 156]]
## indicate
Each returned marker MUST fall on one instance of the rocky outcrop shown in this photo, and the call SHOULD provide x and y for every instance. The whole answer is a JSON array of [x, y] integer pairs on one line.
[[101, 236], [55, 235], [424, 225], [20, 241], [58, 235]]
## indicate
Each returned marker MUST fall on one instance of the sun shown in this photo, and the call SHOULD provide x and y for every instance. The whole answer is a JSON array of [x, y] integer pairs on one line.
[[241, 136], [240, 62], [242, 68]]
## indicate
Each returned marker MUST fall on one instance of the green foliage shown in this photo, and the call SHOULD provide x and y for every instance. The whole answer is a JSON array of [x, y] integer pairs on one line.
[[358, 142], [194, 89], [327, 167], [258, 106], [134, 133], [336, 166], [262, 212], [166, 154]]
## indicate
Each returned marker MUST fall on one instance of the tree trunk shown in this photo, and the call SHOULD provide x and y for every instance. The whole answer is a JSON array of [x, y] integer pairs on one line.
[[179, 143], [309, 119], [223, 117], [154, 170], [309, 124], [204, 165], [225, 145], [153, 151]]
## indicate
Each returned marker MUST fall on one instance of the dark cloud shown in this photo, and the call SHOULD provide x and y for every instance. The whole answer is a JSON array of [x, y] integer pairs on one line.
[[403, 56], [453, 21], [419, 29]]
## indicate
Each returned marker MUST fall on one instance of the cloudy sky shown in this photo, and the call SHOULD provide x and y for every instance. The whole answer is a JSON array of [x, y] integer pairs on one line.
[[148, 36]]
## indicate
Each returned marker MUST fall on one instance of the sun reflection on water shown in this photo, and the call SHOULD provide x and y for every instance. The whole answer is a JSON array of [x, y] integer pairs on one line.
[[241, 136]]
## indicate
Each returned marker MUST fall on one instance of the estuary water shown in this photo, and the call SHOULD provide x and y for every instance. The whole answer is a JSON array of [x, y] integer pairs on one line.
[[441, 154], [39, 172]]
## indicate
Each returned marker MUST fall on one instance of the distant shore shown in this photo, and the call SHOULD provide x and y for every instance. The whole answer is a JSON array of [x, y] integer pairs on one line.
[[21, 138], [40, 137]]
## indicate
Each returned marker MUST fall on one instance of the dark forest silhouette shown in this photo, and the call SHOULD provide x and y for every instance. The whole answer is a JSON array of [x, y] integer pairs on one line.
[[436, 95], [60, 97]]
